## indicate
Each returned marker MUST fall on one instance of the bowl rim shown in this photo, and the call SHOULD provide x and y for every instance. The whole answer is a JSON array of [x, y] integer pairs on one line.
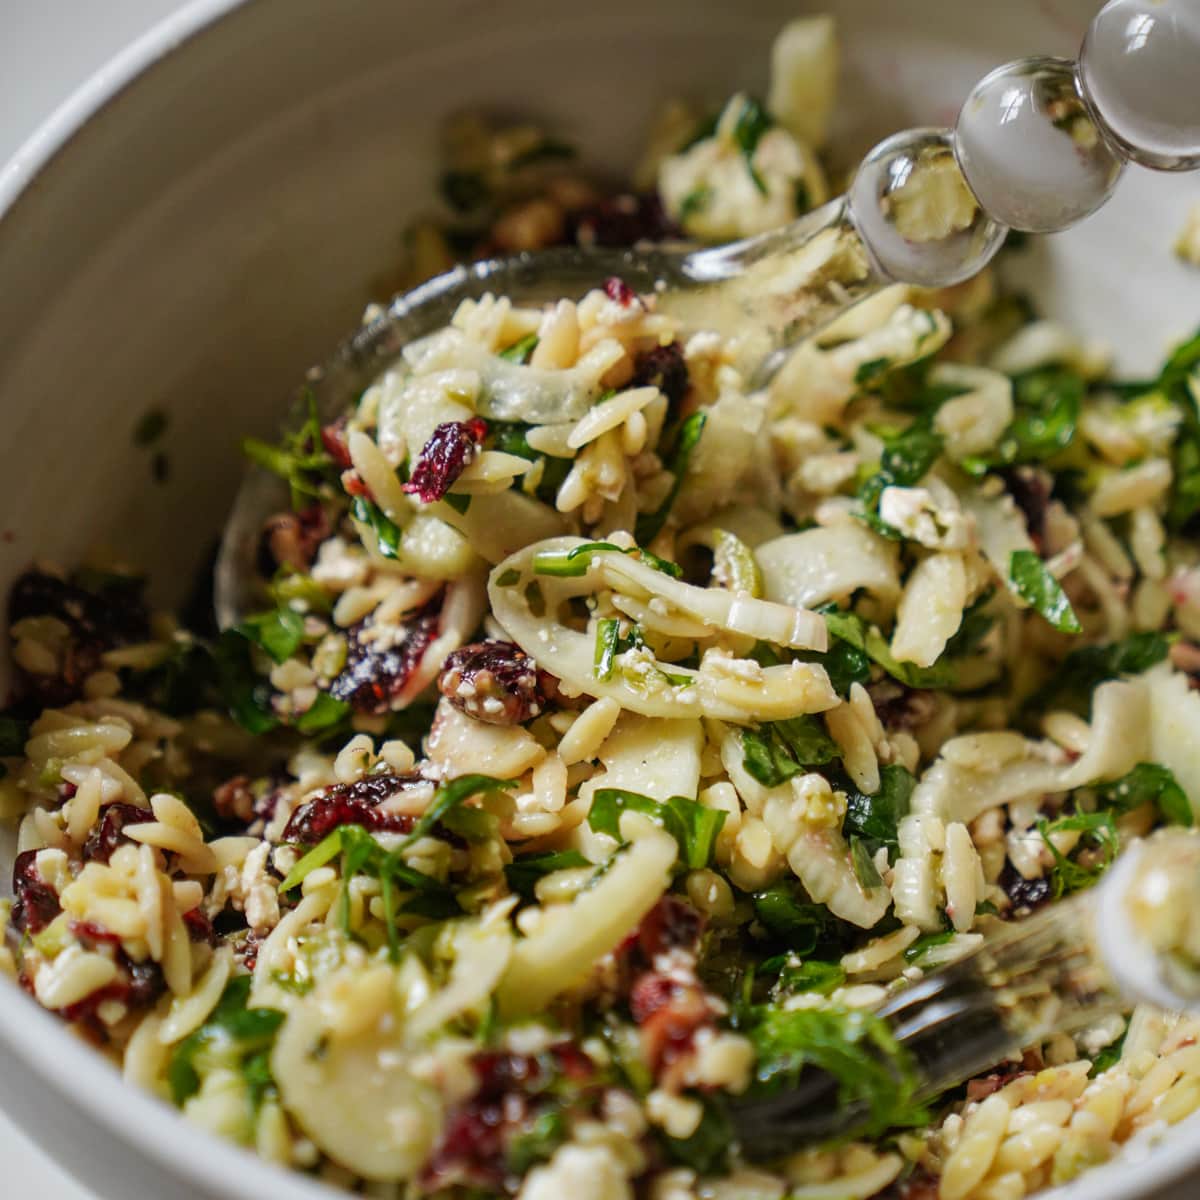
[[85, 1078], [117, 73]]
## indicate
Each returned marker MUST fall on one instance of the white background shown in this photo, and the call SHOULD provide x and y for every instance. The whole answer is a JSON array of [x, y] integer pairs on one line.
[[48, 48]]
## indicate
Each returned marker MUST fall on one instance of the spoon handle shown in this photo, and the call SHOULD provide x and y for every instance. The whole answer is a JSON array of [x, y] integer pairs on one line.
[[1039, 144]]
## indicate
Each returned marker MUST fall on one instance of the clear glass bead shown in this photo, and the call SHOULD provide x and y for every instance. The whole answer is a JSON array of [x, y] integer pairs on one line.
[[1031, 151], [915, 213], [1140, 70]]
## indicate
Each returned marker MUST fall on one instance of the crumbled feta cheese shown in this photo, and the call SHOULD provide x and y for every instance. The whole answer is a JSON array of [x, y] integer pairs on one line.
[[580, 1172], [919, 517]]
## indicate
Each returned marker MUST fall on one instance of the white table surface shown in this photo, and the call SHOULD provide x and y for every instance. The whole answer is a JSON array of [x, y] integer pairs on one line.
[[48, 48]]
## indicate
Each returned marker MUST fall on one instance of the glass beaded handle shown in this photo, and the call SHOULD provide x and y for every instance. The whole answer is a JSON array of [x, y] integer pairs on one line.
[[1039, 144]]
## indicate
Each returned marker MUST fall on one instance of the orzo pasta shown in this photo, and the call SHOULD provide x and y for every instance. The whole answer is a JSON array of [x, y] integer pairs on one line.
[[613, 736]]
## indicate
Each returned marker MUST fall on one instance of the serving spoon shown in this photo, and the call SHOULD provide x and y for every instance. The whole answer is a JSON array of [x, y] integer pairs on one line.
[[1039, 144]]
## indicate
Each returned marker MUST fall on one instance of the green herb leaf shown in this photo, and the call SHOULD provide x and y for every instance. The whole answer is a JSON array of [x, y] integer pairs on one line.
[[387, 532], [1083, 670], [753, 121], [569, 564], [812, 975], [696, 201], [850, 627], [877, 818], [1046, 405], [976, 624], [14, 733], [242, 1034], [1148, 782], [906, 459], [294, 588], [925, 943], [278, 632], [449, 796], [520, 351], [1033, 582], [799, 922], [511, 437], [694, 827], [649, 525], [1099, 834], [323, 852], [1108, 1057], [875, 1073], [301, 458], [776, 751], [322, 715], [537, 1142], [707, 1149], [524, 871], [865, 870], [246, 695], [608, 644]]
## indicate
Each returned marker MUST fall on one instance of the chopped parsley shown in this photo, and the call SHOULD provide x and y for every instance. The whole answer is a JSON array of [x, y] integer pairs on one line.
[[301, 458], [694, 827], [776, 751], [567, 564], [1032, 581], [235, 1034], [1099, 837], [649, 525]]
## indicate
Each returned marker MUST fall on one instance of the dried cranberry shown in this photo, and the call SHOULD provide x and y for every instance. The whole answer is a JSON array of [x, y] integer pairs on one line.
[[664, 368], [97, 620], [493, 681], [292, 539], [1025, 893], [901, 707], [617, 290], [146, 984], [108, 833], [450, 450], [36, 901], [234, 799], [473, 1150], [1030, 490], [199, 927], [375, 677], [650, 993], [668, 1032], [350, 804], [92, 935], [333, 438], [138, 986], [672, 924], [621, 221]]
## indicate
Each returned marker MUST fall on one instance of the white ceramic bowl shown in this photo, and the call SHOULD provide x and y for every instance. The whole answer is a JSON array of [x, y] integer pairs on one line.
[[205, 218]]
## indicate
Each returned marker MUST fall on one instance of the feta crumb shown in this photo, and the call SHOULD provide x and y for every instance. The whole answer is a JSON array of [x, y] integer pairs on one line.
[[580, 1172], [919, 517]]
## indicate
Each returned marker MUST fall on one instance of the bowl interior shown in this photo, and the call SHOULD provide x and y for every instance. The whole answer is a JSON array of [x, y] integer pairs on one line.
[[217, 225]]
